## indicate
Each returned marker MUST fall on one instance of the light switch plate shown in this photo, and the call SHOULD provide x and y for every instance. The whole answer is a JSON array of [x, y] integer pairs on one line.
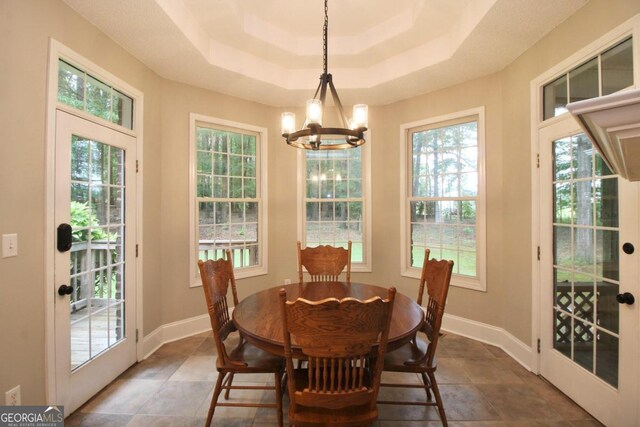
[[9, 245]]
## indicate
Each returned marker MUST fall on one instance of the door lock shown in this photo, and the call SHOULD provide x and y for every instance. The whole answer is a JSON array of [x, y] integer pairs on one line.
[[626, 298]]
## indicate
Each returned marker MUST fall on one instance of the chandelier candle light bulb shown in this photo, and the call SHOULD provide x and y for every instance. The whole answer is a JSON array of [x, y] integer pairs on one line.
[[360, 116], [314, 112], [288, 123]]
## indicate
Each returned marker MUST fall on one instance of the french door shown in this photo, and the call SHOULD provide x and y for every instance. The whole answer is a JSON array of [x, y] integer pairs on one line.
[[95, 196], [588, 268]]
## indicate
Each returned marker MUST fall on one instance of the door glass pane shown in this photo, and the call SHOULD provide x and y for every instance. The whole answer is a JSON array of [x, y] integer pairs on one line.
[[97, 262], [583, 297], [583, 81], [617, 68], [608, 307], [585, 258], [98, 98], [562, 288], [583, 342], [606, 207], [562, 156], [562, 246], [555, 97], [71, 83], [562, 203], [562, 332], [607, 357], [122, 111], [607, 262]]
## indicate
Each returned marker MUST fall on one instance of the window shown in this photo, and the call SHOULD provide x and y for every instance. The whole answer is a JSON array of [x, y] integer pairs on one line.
[[85, 92], [604, 74], [443, 198], [335, 202], [228, 194]]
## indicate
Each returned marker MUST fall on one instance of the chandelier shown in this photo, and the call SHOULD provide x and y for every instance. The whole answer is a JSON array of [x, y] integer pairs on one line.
[[314, 136]]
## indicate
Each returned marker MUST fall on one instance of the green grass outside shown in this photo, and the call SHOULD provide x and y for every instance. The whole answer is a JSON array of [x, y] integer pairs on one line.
[[463, 262]]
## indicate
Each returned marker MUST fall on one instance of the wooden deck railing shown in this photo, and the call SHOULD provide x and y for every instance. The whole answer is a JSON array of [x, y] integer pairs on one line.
[[244, 253], [97, 283]]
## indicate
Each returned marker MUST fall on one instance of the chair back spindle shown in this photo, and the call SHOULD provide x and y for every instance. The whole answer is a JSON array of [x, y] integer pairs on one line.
[[437, 275], [217, 276]]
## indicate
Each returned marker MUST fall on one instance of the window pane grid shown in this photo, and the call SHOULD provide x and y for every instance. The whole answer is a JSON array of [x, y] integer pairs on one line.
[[227, 196], [606, 73], [443, 195], [85, 92], [334, 202]]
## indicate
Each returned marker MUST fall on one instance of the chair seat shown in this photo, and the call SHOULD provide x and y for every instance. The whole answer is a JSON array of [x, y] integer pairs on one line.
[[257, 360], [404, 358]]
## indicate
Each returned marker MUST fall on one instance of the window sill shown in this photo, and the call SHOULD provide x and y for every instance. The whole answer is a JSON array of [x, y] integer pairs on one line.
[[239, 275], [456, 280]]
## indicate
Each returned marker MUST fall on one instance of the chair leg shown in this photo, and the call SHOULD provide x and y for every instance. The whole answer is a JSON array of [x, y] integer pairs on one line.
[[214, 398], [436, 393], [228, 384], [427, 385], [278, 378]]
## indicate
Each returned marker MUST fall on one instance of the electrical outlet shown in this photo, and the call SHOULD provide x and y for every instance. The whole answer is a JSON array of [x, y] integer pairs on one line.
[[12, 397], [9, 245], [287, 281]]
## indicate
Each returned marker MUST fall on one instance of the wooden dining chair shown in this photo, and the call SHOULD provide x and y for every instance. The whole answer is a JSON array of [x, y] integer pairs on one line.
[[324, 263], [418, 356], [339, 339], [244, 358]]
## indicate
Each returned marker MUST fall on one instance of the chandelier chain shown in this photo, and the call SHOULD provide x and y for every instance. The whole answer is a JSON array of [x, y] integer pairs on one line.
[[324, 38]]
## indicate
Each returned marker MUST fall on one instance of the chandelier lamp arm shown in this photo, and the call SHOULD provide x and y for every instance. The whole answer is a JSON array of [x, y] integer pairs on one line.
[[336, 99]]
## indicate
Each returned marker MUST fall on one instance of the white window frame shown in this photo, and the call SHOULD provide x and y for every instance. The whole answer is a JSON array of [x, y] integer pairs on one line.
[[262, 193], [479, 283], [356, 267], [593, 54]]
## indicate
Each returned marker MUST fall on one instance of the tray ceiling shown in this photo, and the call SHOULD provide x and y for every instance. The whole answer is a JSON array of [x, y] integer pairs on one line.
[[270, 51]]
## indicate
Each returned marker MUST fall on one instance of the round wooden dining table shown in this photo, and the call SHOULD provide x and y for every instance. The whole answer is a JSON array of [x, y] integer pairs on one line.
[[258, 319]]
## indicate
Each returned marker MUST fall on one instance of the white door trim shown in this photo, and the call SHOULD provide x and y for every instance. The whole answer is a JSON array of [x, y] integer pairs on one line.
[[56, 51], [629, 27]]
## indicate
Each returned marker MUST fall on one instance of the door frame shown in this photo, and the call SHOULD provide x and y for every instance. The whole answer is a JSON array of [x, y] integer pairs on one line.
[[58, 50], [627, 28]]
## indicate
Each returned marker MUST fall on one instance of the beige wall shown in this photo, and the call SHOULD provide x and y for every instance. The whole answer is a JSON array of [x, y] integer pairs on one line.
[[25, 27], [24, 30]]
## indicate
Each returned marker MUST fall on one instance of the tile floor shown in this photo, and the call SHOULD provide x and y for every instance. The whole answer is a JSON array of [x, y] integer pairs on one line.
[[480, 384]]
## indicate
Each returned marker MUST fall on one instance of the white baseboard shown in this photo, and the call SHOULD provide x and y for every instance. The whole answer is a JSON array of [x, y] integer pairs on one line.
[[175, 331], [478, 331], [519, 351]]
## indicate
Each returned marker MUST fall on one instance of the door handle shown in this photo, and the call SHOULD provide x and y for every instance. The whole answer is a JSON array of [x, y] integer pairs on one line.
[[65, 290], [626, 298]]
